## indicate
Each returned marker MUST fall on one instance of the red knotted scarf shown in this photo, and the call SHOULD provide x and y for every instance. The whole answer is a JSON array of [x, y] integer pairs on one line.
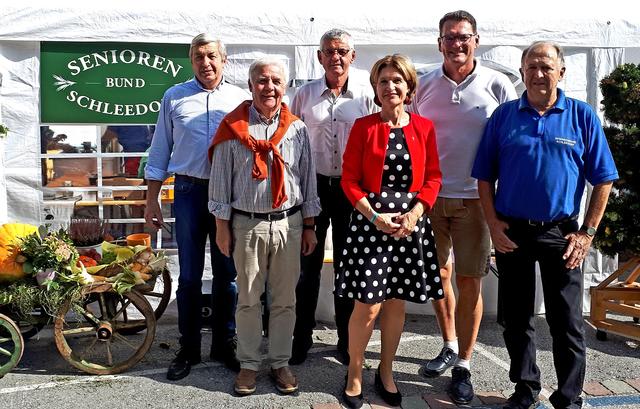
[[236, 126]]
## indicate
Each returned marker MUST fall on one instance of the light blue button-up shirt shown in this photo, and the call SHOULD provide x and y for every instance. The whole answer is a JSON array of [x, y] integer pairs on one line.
[[188, 119]]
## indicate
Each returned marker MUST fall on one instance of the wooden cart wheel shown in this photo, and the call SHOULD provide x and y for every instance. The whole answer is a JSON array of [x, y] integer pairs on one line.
[[91, 336], [158, 293], [11, 345]]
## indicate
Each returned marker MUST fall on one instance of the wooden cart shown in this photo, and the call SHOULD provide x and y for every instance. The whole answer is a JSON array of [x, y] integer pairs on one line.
[[105, 334], [620, 296]]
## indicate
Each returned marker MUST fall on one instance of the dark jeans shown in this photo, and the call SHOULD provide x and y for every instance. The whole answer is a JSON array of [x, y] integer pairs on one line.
[[193, 225], [562, 290], [336, 210]]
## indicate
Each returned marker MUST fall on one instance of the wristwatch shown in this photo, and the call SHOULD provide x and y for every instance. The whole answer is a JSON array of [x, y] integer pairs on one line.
[[591, 231], [309, 227]]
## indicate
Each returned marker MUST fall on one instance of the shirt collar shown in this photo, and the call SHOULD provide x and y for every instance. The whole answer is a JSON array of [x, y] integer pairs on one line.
[[469, 77], [199, 85], [345, 89], [258, 117], [561, 101]]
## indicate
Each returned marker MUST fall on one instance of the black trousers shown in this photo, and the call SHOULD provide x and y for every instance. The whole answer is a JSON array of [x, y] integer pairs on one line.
[[562, 290], [336, 210]]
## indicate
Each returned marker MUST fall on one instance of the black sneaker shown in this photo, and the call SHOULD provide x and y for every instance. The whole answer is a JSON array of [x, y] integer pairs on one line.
[[226, 353], [181, 365], [435, 367], [460, 389], [521, 401]]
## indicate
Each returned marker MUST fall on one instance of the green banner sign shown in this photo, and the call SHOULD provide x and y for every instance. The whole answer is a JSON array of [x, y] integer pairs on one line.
[[112, 83]]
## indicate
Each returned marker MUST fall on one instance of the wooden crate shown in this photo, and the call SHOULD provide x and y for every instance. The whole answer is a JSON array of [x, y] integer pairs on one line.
[[621, 297]]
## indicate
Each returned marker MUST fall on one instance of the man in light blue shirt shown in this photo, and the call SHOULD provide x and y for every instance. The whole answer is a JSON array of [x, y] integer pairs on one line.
[[189, 117]]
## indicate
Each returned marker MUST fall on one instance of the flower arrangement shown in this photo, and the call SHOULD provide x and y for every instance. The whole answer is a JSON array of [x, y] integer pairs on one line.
[[45, 270], [52, 259], [619, 230]]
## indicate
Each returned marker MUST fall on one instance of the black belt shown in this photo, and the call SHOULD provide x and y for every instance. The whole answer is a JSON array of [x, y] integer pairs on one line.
[[535, 223], [194, 180], [273, 216], [330, 180]]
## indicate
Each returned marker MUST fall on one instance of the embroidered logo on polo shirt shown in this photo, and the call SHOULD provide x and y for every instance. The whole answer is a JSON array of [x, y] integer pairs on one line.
[[565, 141]]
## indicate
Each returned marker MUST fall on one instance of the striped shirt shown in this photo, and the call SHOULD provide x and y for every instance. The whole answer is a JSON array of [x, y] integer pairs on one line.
[[231, 185]]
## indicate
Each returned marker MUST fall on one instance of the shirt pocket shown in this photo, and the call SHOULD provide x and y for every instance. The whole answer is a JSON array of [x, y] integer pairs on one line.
[[289, 153]]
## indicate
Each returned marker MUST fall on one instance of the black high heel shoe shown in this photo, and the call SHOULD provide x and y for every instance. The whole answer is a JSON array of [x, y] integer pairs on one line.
[[390, 398], [353, 402]]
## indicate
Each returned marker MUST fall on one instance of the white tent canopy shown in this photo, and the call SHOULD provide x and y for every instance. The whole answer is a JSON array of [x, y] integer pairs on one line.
[[597, 37]]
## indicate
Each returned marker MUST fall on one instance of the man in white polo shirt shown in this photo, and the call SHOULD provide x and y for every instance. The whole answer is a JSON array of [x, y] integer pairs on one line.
[[459, 98]]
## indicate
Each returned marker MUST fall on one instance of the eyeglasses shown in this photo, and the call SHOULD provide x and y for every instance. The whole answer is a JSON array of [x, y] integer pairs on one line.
[[462, 38], [341, 51]]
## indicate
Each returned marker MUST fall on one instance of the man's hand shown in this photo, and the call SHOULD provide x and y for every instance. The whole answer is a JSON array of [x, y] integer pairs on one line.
[[577, 248], [224, 240], [501, 241], [309, 241], [153, 214]]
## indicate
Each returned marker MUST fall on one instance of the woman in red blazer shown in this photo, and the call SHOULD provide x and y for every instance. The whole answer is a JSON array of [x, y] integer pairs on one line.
[[392, 177]]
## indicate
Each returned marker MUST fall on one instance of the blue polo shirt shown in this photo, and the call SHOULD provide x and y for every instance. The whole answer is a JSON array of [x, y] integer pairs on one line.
[[541, 162]]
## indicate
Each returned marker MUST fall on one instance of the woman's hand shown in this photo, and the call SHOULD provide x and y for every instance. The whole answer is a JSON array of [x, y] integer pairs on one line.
[[407, 222], [385, 222]]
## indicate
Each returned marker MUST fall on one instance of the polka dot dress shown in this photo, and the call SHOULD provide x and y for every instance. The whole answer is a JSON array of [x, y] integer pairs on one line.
[[376, 266]]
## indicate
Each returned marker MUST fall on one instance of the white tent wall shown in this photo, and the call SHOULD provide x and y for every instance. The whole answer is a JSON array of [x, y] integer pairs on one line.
[[595, 41]]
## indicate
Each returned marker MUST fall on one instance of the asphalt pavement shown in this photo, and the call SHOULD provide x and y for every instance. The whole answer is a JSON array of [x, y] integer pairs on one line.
[[43, 379]]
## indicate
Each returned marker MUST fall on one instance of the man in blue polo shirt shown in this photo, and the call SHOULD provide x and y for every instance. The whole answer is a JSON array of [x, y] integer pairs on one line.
[[541, 149]]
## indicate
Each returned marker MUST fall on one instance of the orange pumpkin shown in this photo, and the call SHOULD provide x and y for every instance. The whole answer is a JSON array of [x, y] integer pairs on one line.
[[10, 233]]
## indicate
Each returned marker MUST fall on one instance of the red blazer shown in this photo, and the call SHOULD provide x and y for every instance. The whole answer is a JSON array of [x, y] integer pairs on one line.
[[363, 159]]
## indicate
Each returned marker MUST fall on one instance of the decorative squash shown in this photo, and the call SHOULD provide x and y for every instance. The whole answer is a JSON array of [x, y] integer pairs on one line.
[[10, 264]]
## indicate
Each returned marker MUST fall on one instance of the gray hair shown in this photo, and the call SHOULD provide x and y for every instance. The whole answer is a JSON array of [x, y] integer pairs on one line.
[[538, 44], [206, 38], [336, 34], [264, 62]]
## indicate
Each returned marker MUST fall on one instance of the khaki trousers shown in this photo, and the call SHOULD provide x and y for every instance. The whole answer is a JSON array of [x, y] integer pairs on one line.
[[266, 252]]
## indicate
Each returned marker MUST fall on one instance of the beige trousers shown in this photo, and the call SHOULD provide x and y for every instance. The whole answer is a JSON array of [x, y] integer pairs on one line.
[[266, 253]]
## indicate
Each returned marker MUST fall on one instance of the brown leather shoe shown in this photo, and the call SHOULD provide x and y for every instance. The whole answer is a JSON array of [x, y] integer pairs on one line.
[[286, 381], [245, 383]]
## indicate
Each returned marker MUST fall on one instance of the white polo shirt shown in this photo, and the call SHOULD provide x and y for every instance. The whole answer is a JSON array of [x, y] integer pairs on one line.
[[459, 113]]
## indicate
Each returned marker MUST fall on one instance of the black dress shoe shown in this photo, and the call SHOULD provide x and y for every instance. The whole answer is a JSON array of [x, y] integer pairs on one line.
[[435, 367], [181, 365], [521, 401], [460, 390], [390, 398], [353, 402], [226, 353]]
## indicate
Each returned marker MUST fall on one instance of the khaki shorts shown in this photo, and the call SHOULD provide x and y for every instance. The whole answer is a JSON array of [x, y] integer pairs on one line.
[[460, 224]]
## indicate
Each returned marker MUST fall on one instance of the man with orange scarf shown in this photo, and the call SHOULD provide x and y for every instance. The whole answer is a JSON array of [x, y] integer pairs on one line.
[[263, 195]]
